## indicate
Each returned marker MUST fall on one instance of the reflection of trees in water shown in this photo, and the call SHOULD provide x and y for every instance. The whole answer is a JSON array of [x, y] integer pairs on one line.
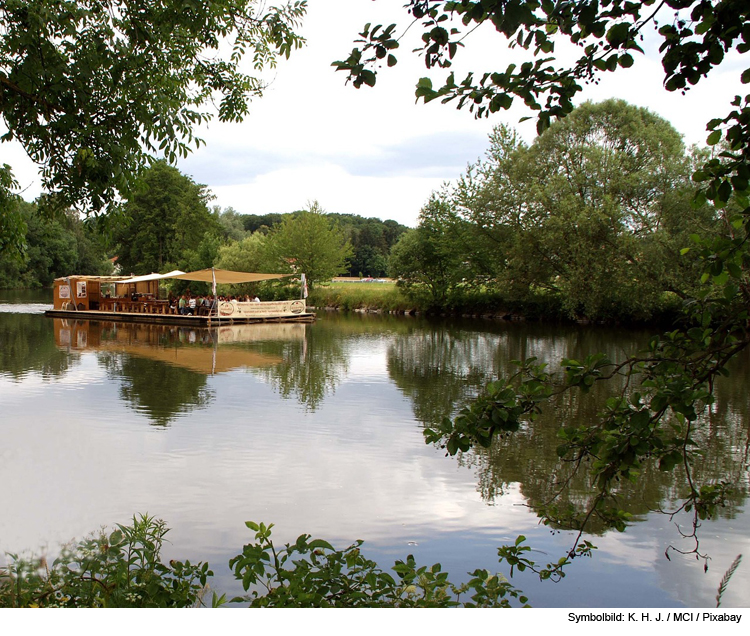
[[442, 366], [27, 344], [311, 368], [159, 390], [529, 458], [441, 369]]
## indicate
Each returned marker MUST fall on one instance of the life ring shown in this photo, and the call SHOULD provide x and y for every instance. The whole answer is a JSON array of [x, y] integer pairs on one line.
[[226, 309]]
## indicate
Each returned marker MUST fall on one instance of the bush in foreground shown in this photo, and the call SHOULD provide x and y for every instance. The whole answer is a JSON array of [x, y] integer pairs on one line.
[[124, 569]]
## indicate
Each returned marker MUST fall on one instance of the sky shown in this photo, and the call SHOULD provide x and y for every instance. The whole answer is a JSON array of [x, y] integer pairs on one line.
[[374, 151]]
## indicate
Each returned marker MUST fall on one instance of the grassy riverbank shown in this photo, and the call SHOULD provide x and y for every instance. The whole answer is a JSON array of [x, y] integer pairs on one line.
[[387, 297], [352, 296]]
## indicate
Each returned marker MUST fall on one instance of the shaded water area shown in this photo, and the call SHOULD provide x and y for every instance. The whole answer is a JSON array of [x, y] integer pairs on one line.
[[318, 429]]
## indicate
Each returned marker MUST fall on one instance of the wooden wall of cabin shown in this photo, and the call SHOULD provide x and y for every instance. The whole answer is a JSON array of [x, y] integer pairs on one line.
[[126, 290], [85, 294]]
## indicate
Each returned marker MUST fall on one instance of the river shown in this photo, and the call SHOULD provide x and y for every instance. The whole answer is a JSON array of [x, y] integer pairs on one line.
[[318, 429]]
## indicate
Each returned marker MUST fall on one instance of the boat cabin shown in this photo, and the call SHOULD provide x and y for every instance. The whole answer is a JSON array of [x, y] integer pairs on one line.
[[93, 293]]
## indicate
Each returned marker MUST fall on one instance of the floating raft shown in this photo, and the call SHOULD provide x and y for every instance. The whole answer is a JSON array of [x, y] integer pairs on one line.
[[135, 299], [187, 321]]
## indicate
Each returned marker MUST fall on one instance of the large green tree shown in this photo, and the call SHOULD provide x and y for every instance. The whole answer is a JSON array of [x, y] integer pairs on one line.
[[595, 211], [309, 243], [93, 89], [166, 224]]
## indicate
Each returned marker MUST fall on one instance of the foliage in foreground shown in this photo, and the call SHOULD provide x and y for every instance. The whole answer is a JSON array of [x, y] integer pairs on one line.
[[94, 90], [119, 569], [124, 569], [312, 573]]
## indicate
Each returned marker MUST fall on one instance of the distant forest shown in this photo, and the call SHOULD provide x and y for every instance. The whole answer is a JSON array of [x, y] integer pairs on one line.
[[167, 225], [371, 238]]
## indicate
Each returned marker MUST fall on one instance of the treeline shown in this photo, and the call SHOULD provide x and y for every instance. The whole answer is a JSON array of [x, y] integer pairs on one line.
[[54, 247], [167, 224], [371, 239], [589, 221]]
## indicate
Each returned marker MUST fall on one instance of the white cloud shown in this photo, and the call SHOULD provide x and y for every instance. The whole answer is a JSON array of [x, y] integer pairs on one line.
[[336, 190]]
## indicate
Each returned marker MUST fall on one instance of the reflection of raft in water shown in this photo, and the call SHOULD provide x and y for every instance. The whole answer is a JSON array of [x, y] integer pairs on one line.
[[204, 360], [205, 351], [136, 299]]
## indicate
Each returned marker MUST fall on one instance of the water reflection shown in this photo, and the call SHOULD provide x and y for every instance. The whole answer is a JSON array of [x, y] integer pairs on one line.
[[162, 370], [440, 369], [27, 345], [340, 455], [311, 367]]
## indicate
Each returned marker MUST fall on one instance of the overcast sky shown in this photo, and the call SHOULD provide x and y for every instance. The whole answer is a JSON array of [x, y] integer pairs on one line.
[[373, 151]]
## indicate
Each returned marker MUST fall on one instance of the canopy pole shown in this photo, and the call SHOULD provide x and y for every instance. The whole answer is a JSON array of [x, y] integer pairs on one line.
[[216, 299]]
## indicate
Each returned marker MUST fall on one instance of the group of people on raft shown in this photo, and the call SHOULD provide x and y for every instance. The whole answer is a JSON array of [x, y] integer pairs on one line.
[[189, 305]]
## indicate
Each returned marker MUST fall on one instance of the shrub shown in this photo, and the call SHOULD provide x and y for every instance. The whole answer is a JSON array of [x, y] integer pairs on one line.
[[120, 569]]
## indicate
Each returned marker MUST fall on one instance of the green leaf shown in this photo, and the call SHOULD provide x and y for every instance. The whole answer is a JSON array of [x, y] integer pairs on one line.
[[618, 34], [714, 138], [626, 60]]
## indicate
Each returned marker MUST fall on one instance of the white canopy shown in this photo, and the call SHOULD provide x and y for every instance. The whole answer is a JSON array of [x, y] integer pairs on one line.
[[224, 276], [147, 277]]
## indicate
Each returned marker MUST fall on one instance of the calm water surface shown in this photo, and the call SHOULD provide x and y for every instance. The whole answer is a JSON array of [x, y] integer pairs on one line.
[[318, 429]]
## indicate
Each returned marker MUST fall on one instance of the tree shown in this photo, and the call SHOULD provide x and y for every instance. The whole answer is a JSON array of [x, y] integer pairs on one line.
[[594, 211], [676, 373], [93, 89], [243, 256], [372, 240], [165, 223], [308, 242], [430, 257], [53, 247], [12, 228], [247, 255], [232, 226]]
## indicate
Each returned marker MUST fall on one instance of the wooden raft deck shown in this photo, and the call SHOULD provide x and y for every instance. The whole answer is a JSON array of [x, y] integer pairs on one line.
[[174, 319]]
